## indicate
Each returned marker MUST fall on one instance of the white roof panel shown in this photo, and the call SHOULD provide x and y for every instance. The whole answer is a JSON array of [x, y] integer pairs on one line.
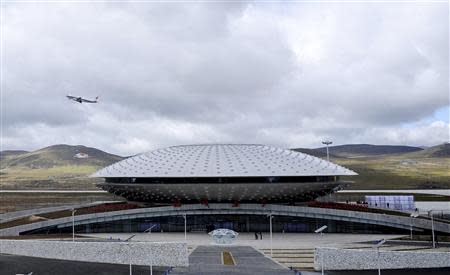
[[222, 160]]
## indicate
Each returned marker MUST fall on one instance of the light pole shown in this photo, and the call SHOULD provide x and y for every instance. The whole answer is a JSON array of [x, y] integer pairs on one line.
[[129, 251], [73, 224], [327, 143], [377, 246], [320, 230], [413, 215], [149, 230], [430, 213], [185, 226], [151, 261], [270, 229]]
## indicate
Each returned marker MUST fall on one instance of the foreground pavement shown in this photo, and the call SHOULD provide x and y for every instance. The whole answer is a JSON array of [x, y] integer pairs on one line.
[[207, 260], [430, 271], [11, 265]]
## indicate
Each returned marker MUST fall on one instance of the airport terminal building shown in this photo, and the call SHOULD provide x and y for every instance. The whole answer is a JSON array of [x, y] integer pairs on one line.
[[197, 188], [231, 186], [218, 173]]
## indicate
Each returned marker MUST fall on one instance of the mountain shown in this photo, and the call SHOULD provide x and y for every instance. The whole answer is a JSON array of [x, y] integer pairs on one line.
[[58, 166], [356, 150], [62, 155], [11, 153], [391, 166], [378, 166], [438, 151]]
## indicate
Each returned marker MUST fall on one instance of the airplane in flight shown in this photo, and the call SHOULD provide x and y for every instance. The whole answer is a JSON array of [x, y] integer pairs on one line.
[[79, 99]]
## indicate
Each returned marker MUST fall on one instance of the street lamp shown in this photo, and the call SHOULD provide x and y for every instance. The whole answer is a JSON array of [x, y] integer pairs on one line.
[[129, 250], [430, 213], [413, 215], [327, 143], [377, 246], [73, 224], [320, 230], [149, 231], [270, 228], [185, 226]]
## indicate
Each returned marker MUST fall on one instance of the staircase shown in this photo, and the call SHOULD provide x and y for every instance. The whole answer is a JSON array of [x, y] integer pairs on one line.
[[299, 259]]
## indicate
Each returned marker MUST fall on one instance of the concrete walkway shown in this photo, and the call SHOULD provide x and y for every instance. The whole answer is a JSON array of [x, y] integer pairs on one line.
[[207, 260], [280, 240]]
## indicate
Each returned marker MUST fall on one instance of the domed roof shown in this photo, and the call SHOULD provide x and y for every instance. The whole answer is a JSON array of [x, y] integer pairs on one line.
[[222, 160]]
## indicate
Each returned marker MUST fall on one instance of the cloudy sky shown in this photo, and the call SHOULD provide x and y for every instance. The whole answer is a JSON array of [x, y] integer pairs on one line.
[[281, 73]]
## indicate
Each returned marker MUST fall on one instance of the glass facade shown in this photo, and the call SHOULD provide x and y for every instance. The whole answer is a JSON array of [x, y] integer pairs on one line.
[[238, 223]]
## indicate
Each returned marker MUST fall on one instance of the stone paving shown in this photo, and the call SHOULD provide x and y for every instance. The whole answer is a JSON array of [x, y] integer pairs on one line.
[[11, 264], [207, 260], [280, 240]]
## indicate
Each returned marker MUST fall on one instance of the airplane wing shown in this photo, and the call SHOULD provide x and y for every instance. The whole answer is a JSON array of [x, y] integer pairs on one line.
[[71, 97]]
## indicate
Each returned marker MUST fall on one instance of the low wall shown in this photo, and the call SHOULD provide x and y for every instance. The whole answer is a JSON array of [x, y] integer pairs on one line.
[[358, 259], [141, 253]]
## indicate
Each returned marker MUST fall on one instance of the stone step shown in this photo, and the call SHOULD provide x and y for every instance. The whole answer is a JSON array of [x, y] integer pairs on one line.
[[291, 256], [300, 266], [288, 253], [291, 250], [289, 260]]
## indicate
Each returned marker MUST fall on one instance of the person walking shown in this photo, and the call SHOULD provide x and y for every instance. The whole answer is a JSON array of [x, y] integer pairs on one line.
[[256, 236], [260, 235]]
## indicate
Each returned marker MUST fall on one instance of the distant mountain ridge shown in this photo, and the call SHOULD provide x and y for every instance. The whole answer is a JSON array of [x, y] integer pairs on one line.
[[438, 151], [9, 153], [379, 166], [58, 155], [354, 150], [369, 149]]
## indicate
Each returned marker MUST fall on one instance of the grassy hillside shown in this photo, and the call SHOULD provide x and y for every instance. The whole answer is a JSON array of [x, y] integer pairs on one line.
[[429, 168], [379, 167], [58, 166], [364, 150]]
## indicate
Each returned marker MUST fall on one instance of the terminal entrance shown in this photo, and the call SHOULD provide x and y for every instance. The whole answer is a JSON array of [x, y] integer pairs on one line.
[[238, 223]]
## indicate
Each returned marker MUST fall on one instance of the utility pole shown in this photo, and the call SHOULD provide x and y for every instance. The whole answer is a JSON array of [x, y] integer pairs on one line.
[[327, 143]]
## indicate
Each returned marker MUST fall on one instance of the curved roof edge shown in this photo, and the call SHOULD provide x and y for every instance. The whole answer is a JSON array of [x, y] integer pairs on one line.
[[222, 160]]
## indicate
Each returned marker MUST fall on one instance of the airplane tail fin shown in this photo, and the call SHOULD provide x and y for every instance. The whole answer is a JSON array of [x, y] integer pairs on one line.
[[96, 98]]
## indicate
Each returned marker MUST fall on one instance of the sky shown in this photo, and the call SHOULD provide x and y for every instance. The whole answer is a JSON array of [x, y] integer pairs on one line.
[[287, 74]]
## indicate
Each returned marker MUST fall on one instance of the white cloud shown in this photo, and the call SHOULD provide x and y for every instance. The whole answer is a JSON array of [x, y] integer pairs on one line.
[[287, 74]]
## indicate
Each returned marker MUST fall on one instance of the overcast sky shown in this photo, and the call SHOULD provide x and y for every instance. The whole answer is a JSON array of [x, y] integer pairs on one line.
[[285, 74]]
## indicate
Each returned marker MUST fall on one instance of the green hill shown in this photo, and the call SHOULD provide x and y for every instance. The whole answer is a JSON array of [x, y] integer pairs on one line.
[[11, 153], [391, 167], [378, 166], [57, 166], [427, 168], [364, 150], [438, 151], [60, 155]]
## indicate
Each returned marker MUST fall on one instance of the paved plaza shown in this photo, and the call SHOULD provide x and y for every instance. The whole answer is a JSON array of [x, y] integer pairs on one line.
[[12, 264], [279, 240], [207, 260]]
